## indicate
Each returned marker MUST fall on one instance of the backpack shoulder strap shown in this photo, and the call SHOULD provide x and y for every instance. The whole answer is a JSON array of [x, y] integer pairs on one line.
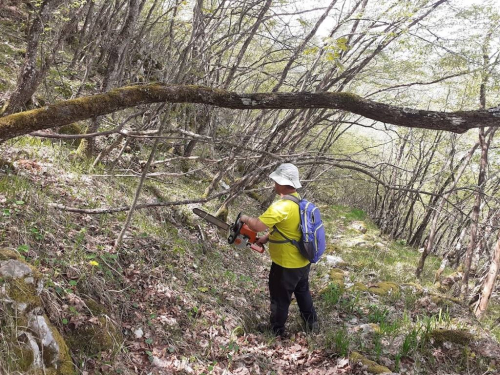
[[282, 235], [291, 198]]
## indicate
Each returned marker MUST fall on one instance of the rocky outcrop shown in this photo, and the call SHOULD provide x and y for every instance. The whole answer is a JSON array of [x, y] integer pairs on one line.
[[36, 345], [359, 226], [371, 366]]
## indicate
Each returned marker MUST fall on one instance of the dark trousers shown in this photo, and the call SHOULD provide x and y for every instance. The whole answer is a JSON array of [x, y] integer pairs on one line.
[[282, 283]]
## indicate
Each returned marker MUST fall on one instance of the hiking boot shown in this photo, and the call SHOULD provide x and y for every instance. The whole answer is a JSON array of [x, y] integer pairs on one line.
[[263, 327], [266, 328], [312, 327], [283, 335]]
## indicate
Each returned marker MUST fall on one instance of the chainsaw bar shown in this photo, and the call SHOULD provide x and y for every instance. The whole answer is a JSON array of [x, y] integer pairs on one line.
[[211, 219]]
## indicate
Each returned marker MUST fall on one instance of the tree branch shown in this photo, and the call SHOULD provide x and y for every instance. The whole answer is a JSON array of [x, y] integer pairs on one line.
[[69, 111]]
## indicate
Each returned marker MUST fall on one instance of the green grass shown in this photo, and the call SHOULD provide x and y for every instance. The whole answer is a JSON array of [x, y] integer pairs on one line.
[[332, 295], [350, 214], [377, 314], [217, 278], [356, 214], [339, 341]]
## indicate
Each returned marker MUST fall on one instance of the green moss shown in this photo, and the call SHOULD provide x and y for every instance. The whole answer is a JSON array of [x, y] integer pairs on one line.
[[347, 96], [6, 254], [83, 149], [337, 277], [417, 287], [333, 249], [23, 358], [91, 339], [238, 331], [23, 292], [368, 237], [461, 337], [384, 288], [359, 287], [372, 367], [65, 364], [95, 307], [72, 129]]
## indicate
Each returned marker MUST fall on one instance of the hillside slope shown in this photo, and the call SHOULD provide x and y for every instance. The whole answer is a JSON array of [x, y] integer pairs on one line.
[[169, 301]]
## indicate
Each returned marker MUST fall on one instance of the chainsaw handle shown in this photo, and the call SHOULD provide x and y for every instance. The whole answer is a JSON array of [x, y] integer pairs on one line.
[[235, 230], [257, 248]]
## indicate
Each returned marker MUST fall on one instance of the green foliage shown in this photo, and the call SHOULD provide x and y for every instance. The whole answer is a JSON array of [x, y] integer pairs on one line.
[[410, 343], [377, 314], [377, 345], [339, 341], [332, 294], [389, 328], [356, 214]]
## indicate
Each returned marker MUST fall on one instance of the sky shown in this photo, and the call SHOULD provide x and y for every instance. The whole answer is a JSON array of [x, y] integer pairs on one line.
[[330, 21]]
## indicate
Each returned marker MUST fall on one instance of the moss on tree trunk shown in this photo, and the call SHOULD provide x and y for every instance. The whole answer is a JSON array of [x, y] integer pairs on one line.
[[70, 111]]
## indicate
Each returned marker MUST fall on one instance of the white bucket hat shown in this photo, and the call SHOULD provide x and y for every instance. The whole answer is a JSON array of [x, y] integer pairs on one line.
[[286, 174]]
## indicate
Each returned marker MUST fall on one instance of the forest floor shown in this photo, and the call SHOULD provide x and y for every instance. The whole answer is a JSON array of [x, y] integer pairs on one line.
[[168, 302]]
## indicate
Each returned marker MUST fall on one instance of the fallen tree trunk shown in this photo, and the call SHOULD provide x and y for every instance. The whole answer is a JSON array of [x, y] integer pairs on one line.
[[70, 111]]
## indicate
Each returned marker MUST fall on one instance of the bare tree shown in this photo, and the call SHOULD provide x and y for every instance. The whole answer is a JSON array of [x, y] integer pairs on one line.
[[36, 63]]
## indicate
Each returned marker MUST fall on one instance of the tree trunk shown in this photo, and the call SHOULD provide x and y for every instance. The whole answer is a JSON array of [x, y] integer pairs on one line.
[[244, 48], [459, 170], [35, 66], [489, 283], [475, 212], [485, 144]]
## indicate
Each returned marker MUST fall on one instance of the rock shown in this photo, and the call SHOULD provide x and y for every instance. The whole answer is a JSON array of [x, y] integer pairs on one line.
[[14, 269], [39, 325], [32, 350], [356, 242], [92, 338], [455, 336], [40, 349], [138, 333], [447, 283], [334, 260], [359, 226], [161, 363], [372, 366]]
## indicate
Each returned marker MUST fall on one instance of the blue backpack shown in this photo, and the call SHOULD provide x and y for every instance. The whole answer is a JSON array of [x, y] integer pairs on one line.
[[313, 243]]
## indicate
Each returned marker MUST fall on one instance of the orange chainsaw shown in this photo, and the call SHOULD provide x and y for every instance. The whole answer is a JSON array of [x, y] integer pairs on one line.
[[239, 234]]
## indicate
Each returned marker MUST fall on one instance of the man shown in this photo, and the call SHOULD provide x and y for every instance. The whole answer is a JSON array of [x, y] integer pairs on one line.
[[289, 270]]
